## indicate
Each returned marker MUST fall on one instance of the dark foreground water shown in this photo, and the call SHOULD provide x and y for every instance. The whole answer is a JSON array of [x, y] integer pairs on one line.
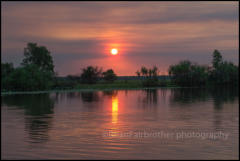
[[122, 124]]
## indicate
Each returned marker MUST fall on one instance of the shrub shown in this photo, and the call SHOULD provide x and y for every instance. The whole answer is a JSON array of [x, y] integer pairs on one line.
[[109, 76]]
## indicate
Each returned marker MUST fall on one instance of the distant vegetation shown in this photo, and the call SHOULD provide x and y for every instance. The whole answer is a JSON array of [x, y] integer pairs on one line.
[[109, 76], [90, 75], [220, 73], [150, 75], [188, 74], [223, 72], [36, 73]]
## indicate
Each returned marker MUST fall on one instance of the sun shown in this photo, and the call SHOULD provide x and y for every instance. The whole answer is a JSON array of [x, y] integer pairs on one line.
[[114, 51]]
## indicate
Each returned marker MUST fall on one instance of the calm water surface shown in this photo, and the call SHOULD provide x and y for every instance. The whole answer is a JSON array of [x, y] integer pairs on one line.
[[122, 124]]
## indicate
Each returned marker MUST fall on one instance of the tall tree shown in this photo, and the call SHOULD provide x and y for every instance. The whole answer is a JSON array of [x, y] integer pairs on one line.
[[217, 59], [38, 55]]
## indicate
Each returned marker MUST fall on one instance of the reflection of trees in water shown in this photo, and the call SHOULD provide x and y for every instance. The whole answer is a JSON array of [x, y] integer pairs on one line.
[[38, 109], [149, 97], [33, 105], [60, 96], [148, 101], [84, 96], [73, 94], [110, 93], [188, 95], [152, 96], [126, 92], [38, 128], [219, 95], [223, 95], [90, 96], [163, 92]]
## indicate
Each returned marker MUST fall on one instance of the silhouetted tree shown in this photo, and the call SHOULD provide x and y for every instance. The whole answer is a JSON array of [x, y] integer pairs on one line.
[[6, 70], [150, 76], [187, 74], [38, 55], [217, 59], [29, 78], [138, 73], [90, 75], [144, 71], [199, 75], [223, 72], [109, 75], [35, 73]]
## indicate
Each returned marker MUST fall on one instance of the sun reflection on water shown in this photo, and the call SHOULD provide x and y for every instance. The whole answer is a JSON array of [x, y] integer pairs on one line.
[[114, 109]]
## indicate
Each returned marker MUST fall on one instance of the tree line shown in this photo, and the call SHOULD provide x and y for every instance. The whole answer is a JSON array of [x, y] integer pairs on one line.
[[221, 72], [36, 72]]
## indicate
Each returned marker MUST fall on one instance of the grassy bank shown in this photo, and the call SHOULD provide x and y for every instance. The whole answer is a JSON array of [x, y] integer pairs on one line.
[[117, 85]]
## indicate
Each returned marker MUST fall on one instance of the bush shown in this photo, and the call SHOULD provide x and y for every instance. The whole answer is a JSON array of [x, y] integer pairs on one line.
[[109, 76], [187, 74], [29, 78], [225, 73], [91, 75]]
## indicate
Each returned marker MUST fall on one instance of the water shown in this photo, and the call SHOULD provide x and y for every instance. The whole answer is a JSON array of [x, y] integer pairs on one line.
[[122, 124]]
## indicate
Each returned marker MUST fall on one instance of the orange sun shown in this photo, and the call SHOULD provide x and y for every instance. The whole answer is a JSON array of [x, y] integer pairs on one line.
[[114, 51]]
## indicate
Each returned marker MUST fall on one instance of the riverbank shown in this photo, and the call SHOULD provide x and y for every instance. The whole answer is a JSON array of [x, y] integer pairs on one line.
[[118, 85], [80, 90]]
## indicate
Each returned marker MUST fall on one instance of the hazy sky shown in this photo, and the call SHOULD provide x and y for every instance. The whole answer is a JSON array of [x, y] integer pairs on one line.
[[146, 33]]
